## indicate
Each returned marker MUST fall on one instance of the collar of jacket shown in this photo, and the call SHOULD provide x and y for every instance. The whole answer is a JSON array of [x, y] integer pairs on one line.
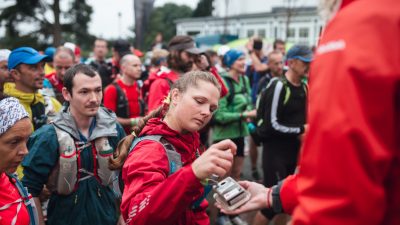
[[24, 98], [106, 125]]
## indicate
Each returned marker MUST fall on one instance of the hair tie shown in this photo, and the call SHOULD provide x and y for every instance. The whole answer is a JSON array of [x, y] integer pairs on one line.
[[165, 106]]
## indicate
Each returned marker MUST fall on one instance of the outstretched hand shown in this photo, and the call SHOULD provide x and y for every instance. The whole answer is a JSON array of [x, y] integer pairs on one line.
[[257, 201], [217, 159]]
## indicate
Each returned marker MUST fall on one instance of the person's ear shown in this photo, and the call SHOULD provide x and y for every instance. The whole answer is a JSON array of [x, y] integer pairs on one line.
[[67, 96], [15, 74], [175, 96]]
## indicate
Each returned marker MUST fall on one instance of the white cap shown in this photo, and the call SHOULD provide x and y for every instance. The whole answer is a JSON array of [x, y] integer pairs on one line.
[[4, 53]]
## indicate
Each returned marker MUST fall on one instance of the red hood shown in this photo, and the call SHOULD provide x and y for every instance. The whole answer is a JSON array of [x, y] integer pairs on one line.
[[185, 144], [163, 72]]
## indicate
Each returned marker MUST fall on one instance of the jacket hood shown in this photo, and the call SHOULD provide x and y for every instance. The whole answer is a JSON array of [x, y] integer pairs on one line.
[[106, 125], [186, 144], [163, 73]]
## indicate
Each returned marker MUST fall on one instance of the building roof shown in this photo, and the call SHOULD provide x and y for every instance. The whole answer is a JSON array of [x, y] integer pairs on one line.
[[276, 11]]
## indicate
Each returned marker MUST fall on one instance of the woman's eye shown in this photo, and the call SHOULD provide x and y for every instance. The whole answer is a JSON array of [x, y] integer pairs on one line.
[[213, 109], [14, 141], [199, 101]]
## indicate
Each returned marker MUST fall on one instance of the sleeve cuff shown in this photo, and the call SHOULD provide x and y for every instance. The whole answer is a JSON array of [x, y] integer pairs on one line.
[[276, 198]]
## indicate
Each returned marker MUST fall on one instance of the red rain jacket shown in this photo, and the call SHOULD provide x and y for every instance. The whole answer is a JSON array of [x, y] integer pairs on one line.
[[350, 163], [150, 196], [158, 86]]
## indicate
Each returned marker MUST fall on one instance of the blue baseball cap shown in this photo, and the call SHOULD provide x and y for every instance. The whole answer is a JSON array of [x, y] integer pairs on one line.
[[300, 52], [49, 51], [231, 56], [25, 55]]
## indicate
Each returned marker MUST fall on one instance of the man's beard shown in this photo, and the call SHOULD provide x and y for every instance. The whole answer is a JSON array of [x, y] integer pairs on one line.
[[328, 9], [184, 66]]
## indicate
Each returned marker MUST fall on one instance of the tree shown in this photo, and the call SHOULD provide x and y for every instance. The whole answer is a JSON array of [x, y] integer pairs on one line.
[[26, 23], [142, 9], [162, 21], [204, 8]]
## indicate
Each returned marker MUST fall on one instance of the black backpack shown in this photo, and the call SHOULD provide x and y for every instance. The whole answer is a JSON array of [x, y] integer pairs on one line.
[[262, 101]]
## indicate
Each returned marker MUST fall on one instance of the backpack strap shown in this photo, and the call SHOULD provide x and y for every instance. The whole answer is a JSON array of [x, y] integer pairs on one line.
[[170, 82], [287, 89], [284, 80], [122, 102], [26, 199], [142, 104], [231, 88], [174, 158]]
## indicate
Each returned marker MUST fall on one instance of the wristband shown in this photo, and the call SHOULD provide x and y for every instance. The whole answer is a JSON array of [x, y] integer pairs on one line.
[[269, 198]]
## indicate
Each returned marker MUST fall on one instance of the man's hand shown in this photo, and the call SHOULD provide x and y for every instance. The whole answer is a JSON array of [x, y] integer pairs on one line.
[[257, 201], [217, 159]]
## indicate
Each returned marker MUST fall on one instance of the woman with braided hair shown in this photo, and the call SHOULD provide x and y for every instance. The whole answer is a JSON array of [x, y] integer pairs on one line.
[[159, 189]]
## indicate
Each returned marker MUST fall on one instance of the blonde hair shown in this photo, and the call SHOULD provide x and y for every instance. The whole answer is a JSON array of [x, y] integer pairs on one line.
[[189, 79]]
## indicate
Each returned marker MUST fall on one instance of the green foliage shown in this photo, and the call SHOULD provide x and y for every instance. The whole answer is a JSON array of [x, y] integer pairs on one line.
[[81, 15], [204, 8], [26, 24], [162, 21]]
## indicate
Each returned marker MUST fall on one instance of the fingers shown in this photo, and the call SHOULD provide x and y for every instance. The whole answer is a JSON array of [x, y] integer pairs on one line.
[[225, 145], [213, 161], [245, 184], [230, 212], [221, 162]]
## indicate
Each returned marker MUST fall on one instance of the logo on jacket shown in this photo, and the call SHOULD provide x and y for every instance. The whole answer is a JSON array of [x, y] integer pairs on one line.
[[331, 46]]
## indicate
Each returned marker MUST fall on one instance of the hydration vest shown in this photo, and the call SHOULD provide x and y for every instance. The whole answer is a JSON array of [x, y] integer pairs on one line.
[[174, 162], [66, 176], [25, 199]]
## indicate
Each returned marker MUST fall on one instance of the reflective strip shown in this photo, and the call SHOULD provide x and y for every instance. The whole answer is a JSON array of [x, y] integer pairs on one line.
[[274, 110], [19, 201]]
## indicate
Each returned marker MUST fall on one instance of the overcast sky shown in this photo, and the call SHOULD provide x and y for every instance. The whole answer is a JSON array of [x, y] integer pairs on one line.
[[105, 22]]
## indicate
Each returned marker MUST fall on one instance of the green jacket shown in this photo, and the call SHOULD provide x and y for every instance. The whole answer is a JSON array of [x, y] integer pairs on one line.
[[228, 123], [91, 203]]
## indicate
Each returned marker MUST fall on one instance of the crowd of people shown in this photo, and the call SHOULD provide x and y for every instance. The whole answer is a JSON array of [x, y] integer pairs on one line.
[[125, 140]]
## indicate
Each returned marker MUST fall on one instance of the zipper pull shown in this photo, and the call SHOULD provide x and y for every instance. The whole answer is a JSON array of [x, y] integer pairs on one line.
[[76, 199], [98, 192]]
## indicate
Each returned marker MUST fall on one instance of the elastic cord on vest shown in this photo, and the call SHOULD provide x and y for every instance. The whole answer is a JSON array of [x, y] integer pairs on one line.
[[94, 154], [78, 175]]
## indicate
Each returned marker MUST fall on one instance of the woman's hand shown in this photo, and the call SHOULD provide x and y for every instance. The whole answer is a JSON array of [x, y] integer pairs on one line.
[[217, 159]]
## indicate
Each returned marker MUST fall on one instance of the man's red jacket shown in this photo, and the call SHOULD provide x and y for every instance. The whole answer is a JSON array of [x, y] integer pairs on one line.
[[350, 162]]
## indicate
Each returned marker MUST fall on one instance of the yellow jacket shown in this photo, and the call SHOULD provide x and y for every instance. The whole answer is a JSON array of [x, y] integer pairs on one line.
[[28, 99]]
